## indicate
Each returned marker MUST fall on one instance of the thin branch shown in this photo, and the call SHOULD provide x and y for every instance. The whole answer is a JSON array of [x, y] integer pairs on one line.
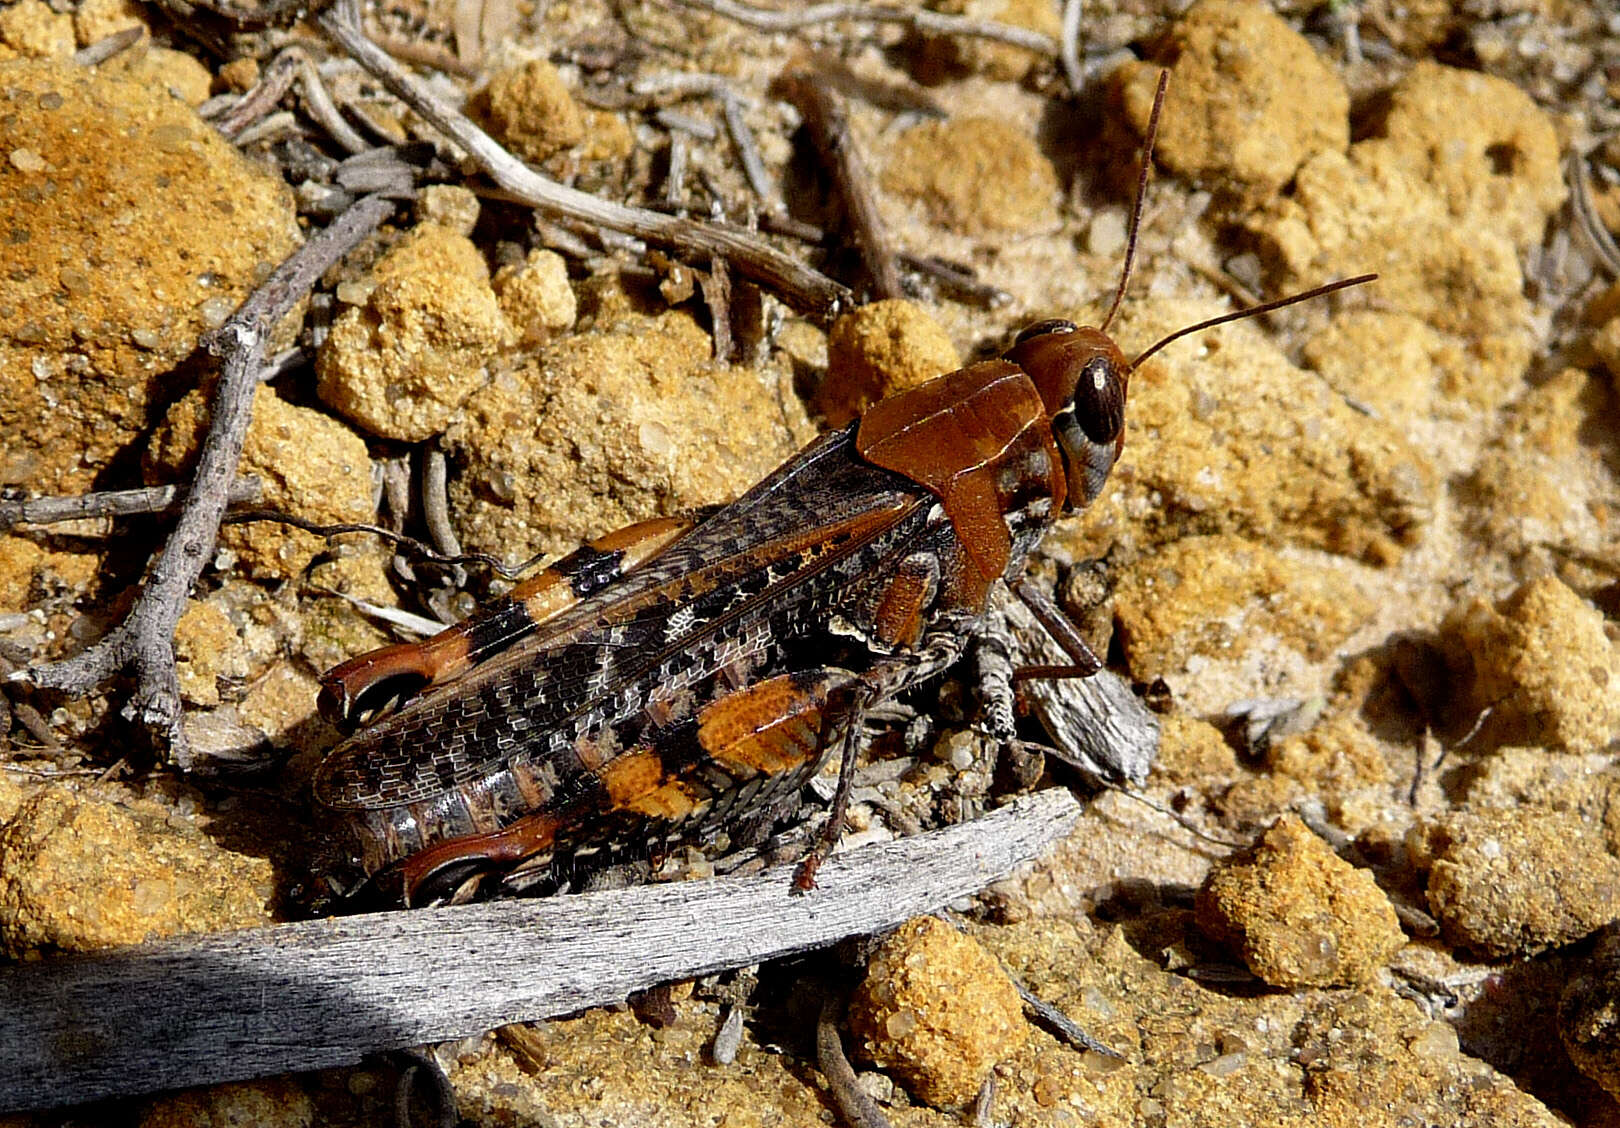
[[829, 129], [921, 19], [958, 282], [855, 1108], [675, 179], [800, 286], [425, 551], [673, 119], [391, 487], [985, 1103], [318, 100], [682, 83], [274, 82], [436, 503], [732, 106], [103, 49], [955, 278], [113, 503], [291, 65], [284, 362], [1059, 1023], [1069, 45], [36, 726], [436, 511], [715, 285], [422, 53], [144, 641], [748, 151], [52, 773], [282, 123]]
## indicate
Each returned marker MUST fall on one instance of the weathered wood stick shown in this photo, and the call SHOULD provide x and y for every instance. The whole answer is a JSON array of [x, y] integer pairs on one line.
[[234, 1005], [1097, 725]]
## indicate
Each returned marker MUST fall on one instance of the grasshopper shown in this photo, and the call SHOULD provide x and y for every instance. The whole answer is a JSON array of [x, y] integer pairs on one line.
[[689, 674]]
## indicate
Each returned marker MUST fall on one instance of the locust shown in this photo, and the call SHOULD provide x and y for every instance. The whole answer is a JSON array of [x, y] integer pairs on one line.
[[687, 675]]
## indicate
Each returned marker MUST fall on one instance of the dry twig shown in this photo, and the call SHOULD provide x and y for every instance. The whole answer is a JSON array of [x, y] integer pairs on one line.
[[1069, 45], [855, 1108], [273, 127], [422, 53], [1059, 1023], [274, 82], [921, 19], [985, 1103], [103, 49], [675, 179], [732, 106], [748, 151], [290, 66], [716, 287], [829, 129], [436, 503], [799, 285], [679, 123], [144, 641], [36, 726], [113, 503], [957, 281]]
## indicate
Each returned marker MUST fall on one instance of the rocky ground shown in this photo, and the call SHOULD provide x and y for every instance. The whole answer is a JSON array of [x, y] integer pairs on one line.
[[1366, 547]]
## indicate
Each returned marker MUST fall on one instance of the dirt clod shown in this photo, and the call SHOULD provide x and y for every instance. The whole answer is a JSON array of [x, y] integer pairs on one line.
[[937, 1009], [1518, 882], [78, 873], [1299, 914], [877, 350]]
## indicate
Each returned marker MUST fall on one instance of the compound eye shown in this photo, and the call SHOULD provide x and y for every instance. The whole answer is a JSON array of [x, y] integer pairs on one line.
[[1099, 400], [1042, 328]]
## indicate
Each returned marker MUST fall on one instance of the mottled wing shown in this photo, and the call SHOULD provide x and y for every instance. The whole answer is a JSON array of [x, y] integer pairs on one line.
[[720, 602]]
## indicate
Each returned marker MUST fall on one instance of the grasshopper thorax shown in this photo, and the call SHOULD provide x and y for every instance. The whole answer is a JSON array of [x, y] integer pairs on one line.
[[1082, 377]]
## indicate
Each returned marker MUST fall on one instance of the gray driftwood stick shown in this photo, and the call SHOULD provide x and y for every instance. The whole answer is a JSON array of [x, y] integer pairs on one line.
[[1097, 725], [317, 994]]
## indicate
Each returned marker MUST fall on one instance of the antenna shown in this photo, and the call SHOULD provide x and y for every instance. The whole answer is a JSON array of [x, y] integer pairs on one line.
[[1255, 311], [1141, 195]]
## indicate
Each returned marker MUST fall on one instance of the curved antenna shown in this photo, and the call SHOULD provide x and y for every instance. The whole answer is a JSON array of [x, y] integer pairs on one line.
[[1141, 195], [1254, 311]]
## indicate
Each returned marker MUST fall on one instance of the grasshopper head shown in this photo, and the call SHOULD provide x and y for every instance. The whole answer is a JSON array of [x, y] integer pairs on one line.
[[1082, 377]]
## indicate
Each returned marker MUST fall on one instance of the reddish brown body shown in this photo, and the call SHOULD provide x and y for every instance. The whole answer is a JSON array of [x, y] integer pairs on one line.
[[688, 674], [975, 436]]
